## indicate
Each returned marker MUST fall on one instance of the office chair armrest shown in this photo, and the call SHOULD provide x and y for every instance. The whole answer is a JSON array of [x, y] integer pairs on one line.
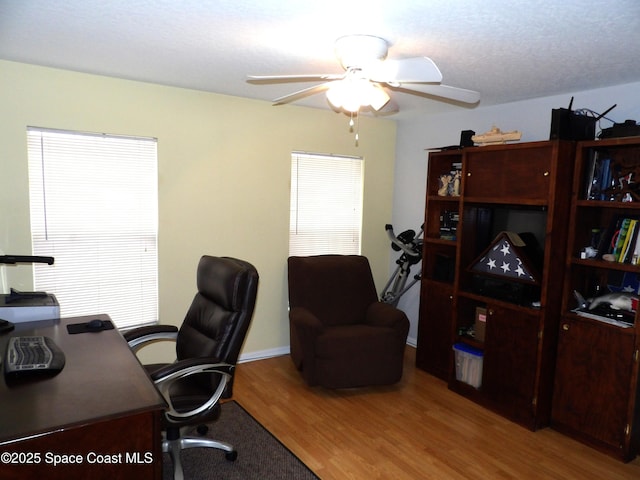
[[382, 314], [166, 376], [142, 336]]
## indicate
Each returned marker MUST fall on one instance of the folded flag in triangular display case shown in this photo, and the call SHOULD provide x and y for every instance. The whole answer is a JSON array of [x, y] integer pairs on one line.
[[506, 258]]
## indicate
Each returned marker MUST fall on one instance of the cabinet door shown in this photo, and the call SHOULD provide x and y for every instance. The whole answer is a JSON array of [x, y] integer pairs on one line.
[[510, 359], [593, 380], [521, 173], [434, 335]]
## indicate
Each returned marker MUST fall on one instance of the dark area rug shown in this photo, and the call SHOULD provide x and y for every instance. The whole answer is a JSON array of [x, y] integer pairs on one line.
[[260, 454]]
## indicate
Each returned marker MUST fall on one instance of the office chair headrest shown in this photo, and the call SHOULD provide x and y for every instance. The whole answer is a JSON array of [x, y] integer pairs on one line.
[[223, 279]]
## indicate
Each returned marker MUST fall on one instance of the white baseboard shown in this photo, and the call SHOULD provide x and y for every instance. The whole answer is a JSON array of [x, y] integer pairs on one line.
[[277, 352], [263, 354]]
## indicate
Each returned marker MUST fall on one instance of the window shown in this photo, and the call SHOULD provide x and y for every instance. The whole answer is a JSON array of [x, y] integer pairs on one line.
[[94, 208], [326, 204]]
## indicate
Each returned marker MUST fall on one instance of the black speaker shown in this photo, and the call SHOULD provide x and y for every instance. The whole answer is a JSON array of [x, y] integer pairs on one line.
[[465, 138], [444, 268]]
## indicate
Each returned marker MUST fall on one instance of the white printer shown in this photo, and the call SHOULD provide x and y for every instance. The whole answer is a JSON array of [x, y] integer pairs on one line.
[[19, 307]]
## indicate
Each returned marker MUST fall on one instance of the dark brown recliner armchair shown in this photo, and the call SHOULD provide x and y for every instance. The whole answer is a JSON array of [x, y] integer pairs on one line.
[[341, 335], [207, 347]]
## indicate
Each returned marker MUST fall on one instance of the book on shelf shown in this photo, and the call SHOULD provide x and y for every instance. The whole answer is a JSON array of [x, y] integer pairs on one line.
[[590, 173], [622, 240], [630, 241], [609, 238], [635, 258], [598, 177]]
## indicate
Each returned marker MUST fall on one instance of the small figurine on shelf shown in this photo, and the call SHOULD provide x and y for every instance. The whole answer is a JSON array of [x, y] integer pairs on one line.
[[588, 252], [444, 183], [454, 185], [591, 251], [626, 189]]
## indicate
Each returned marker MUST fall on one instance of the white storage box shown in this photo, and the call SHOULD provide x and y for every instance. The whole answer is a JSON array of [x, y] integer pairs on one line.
[[468, 364]]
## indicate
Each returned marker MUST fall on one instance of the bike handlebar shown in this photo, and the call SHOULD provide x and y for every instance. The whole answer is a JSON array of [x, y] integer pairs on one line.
[[406, 248]]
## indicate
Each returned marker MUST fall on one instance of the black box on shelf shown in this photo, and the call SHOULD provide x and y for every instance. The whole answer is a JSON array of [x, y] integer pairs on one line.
[[444, 268], [568, 125]]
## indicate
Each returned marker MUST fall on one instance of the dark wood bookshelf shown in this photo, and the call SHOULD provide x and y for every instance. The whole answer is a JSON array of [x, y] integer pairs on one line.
[[596, 384], [504, 187]]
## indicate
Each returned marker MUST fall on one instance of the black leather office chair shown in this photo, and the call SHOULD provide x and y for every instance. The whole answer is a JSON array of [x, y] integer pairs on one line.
[[207, 346]]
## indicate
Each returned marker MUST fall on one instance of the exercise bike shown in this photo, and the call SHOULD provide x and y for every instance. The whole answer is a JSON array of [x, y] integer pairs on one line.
[[410, 245]]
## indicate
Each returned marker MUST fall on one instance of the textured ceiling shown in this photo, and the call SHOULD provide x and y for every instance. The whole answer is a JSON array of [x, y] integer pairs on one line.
[[506, 50]]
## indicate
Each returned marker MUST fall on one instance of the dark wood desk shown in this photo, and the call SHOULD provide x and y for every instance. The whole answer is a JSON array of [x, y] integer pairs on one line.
[[98, 418]]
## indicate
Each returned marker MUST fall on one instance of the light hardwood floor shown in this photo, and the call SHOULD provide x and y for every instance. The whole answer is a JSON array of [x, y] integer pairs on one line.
[[417, 429]]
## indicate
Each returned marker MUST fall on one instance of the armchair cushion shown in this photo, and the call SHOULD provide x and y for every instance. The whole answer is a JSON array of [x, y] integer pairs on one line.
[[337, 289]]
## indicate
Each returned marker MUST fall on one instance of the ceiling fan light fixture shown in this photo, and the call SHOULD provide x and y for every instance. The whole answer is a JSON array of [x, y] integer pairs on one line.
[[354, 93], [336, 94], [351, 101], [345, 95]]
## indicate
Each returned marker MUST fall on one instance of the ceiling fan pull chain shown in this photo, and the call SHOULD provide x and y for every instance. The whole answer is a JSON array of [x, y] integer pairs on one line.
[[352, 123], [356, 123], [357, 127]]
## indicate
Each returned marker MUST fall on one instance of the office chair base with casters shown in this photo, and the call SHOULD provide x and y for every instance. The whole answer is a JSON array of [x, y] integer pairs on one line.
[[182, 390], [175, 441]]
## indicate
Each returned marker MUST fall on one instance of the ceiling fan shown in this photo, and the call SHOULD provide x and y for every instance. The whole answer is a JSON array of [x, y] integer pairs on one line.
[[369, 77]]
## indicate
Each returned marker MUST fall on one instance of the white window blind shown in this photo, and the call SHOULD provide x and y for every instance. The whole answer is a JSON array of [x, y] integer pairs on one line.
[[94, 208], [326, 204]]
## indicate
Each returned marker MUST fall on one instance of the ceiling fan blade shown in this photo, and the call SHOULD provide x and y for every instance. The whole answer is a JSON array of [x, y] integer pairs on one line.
[[260, 79], [444, 91], [407, 70], [292, 97]]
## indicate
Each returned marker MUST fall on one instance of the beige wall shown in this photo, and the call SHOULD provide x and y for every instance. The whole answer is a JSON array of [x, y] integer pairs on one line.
[[223, 176]]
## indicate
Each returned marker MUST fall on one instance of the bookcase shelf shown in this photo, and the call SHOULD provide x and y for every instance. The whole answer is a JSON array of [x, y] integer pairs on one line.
[[601, 264], [444, 199], [496, 301], [608, 205], [441, 241]]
